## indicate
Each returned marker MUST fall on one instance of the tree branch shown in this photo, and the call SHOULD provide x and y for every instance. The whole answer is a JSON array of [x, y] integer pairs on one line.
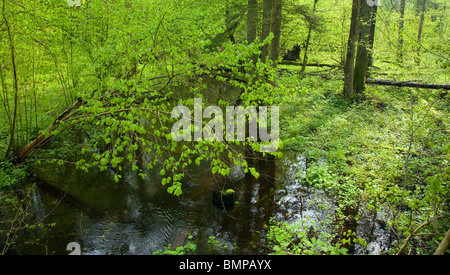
[[415, 231]]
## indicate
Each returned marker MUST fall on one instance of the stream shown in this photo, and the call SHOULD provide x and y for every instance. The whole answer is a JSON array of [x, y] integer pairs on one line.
[[139, 217]]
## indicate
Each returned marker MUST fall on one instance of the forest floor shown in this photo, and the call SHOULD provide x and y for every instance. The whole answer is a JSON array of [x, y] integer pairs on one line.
[[387, 152]]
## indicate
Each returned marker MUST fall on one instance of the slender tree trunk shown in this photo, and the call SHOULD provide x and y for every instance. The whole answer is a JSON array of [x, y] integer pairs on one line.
[[362, 55], [266, 26], [351, 52], [276, 30], [373, 20], [252, 23], [400, 32], [231, 27], [5, 97], [252, 17], [16, 87], [417, 6], [419, 32], [305, 55]]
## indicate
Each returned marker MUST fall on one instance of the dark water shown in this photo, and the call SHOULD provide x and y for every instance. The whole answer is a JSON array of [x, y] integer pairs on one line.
[[140, 217]]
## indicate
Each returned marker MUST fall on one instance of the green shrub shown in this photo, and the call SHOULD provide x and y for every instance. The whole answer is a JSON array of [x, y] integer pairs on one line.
[[300, 238], [11, 175]]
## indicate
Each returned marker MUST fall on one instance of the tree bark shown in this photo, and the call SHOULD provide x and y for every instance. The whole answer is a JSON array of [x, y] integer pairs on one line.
[[408, 84], [276, 30], [365, 23], [305, 55], [286, 62], [252, 24], [419, 32], [16, 88], [373, 20], [351, 51], [444, 245], [266, 27], [400, 32], [252, 17]]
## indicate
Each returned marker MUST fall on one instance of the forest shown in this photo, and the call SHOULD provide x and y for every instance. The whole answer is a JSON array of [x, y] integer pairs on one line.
[[353, 105]]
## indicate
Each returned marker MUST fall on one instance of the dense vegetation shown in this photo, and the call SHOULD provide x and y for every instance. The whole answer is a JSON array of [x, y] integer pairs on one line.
[[106, 74]]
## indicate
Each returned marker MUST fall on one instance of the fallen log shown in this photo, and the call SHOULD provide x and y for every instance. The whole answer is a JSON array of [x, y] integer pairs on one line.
[[286, 62], [383, 82], [21, 156], [407, 84]]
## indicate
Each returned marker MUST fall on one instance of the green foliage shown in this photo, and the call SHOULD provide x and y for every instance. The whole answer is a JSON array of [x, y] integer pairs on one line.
[[189, 249], [227, 192], [375, 156], [302, 238], [130, 67], [132, 62], [10, 175], [139, 79], [18, 219], [215, 246]]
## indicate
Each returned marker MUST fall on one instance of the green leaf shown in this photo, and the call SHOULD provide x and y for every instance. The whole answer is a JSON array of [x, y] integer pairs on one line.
[[215, 169], [197, 161], [104, 161]]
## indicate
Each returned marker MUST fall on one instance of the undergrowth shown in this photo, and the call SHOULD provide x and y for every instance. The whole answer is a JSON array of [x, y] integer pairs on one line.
[[388, 153]]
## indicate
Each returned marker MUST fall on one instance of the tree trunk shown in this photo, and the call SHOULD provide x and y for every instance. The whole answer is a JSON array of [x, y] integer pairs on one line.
[[252, 23], [266, 27], [417, 6], [276, 30], [305, 55], [373, 20], [444, 245], [361, 62], [5, 98], [252, 17], [419, 32], [400, 32], [351, 52], [16, 88]]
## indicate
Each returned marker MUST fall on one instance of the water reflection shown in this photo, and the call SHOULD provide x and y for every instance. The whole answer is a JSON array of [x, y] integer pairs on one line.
[[140, 217]]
